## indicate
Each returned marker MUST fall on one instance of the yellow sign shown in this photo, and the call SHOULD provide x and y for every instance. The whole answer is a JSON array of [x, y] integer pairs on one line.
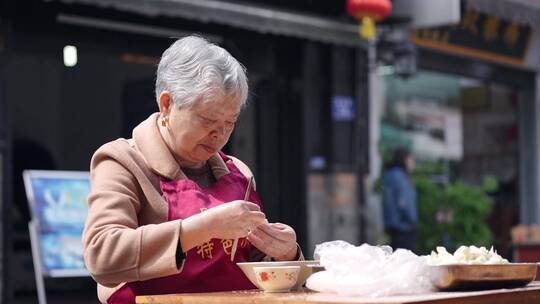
[[479, 35]]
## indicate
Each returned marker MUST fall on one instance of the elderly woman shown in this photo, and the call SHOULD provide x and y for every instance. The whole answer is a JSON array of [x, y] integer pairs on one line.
[[167, 204]]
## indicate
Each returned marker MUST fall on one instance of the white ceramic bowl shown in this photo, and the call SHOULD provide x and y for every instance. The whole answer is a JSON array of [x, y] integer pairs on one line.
[[305, 271], [277, 278]]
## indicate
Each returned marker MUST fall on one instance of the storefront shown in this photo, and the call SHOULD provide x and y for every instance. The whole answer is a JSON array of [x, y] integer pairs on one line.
[[468, 114]]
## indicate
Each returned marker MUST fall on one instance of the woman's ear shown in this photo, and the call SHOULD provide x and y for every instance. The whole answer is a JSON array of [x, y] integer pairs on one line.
[[165, 103]]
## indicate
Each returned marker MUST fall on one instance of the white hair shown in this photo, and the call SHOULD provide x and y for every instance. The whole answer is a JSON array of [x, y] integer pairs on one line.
[[194, 69]]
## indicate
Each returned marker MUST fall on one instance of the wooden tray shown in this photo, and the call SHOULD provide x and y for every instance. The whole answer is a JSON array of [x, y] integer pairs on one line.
[[474, 277]]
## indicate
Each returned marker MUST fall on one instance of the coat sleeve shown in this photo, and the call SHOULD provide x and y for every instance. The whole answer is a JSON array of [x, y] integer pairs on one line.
[[116, 248]]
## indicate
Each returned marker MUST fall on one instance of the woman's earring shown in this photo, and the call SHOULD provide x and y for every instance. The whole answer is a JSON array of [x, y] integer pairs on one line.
[[165, 121]]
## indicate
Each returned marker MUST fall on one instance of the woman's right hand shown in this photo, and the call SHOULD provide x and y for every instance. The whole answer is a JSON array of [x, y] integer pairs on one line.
[[227, 221], [233, 220]]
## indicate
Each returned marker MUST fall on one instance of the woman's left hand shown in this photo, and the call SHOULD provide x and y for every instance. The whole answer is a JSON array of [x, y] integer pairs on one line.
[[275, 240]]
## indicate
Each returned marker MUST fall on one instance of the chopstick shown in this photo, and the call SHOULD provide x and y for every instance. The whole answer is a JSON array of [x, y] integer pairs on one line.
[[246, 196]]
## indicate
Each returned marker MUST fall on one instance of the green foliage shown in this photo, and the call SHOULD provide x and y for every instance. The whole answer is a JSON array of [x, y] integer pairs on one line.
[[431, 168], [490, 184], [452, 215]]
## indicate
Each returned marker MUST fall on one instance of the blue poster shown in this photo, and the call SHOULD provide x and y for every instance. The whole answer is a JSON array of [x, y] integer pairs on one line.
[[59, 208], [60, 203], [343, 108]]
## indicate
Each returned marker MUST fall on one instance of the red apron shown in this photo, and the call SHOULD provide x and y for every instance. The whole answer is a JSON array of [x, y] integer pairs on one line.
[[207, 267]]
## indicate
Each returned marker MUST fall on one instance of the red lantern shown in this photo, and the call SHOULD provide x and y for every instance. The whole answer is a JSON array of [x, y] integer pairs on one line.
[[368, 12]]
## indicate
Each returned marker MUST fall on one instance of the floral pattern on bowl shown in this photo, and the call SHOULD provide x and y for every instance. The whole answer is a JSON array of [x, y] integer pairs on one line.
[[277, 278], [306, 269]]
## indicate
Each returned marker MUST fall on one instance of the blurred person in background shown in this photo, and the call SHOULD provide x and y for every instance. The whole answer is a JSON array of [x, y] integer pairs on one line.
[[166, 205], [400, 200]]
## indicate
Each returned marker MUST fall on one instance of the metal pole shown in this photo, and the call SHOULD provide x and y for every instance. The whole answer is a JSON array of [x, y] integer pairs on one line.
[[38, 271], [366, 60]]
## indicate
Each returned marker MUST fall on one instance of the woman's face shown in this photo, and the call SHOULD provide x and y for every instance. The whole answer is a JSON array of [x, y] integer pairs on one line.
[[410, 163], [196, 132]]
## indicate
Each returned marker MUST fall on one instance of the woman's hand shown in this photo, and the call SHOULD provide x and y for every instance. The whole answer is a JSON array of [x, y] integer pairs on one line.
[[227, 221], [234, 219], [275, 240]]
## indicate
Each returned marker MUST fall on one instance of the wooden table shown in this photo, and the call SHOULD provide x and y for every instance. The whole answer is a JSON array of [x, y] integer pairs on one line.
[[525, 295]]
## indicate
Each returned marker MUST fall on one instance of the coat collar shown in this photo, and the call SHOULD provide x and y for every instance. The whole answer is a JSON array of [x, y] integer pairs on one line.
[[150, 143]]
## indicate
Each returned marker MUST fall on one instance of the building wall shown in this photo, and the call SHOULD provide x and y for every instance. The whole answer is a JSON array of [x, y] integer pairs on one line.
[[34, 101], [532, 60], [335, 160], [530, 144], [69, 111]]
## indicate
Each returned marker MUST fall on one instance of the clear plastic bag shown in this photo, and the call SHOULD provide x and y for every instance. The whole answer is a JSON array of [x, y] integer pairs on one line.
[[367, 270]]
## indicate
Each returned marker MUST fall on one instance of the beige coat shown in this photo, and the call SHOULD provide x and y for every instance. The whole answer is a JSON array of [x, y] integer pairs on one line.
[[127, 236]]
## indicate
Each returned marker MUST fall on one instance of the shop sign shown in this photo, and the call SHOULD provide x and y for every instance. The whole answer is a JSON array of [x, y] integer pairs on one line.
[[479, 35], [343, 108]]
